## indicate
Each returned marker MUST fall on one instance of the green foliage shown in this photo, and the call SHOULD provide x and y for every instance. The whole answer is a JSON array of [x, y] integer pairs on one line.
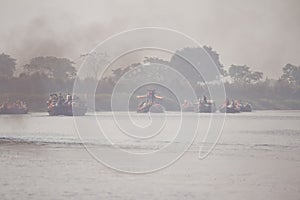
[[7, 65], [243, 75], [291, 74], [186, 60], [215, 57], [44, 75], [52, 67]]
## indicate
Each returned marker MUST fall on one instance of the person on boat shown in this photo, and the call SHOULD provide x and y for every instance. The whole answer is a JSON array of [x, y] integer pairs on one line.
[[68, 100], [50, 99], [2, 106], [231, 104], [60, 100], [151, 96], [54, 98], [24, 105], [237, 104], [227, 102], [199, 100], [204, 99], [185, 103], [6, 104], [69, 97]]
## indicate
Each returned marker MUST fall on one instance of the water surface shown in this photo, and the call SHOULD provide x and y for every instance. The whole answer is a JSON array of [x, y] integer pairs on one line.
[[257, 157]]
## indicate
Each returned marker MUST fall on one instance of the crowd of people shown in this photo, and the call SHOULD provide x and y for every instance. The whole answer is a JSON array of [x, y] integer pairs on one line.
[[237, 105], [204, 104], [13, 107], [69, 105], [58, 100], [69, 101], [232, 103]]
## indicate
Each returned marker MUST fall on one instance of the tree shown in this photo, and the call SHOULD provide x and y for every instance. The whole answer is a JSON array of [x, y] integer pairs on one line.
[[242, 74], [97, 62], [59, 68], [119, 72], [7, 65], [198, 64], [216, 58], [239, 73], [291, 74], [256, 76]]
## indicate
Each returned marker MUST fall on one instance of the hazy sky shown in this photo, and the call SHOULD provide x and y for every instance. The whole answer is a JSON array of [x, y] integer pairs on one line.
[[264, 34]]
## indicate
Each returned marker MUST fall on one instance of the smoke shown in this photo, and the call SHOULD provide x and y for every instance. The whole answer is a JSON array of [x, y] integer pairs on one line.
[[41, 37], [262, 34]]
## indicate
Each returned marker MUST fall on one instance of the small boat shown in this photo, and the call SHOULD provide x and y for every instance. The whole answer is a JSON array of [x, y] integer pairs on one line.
[[205, 106], [187, 106], [232, 106], [67, 110], [154, 108], [208, 107], [13, 111], [229, 109], [149, 105], [57, 105], [15, 108]]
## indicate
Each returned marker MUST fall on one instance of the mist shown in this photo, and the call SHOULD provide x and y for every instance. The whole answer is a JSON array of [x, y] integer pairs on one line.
[[261, 34]]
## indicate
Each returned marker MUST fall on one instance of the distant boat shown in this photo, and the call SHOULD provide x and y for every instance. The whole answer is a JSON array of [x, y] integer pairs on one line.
[[67, 110], [187, 106], [229, 109], [13, 111], [207, 106], [15, 108], [57, 105]]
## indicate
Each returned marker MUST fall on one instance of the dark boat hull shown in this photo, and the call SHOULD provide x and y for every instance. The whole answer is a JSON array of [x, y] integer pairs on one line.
[[246, 108], [67, 111], [13, 111], [155, 108], [229, 110], [207, 108]]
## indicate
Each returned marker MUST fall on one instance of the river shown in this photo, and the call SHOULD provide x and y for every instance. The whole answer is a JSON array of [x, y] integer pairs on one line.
[[257, 156]]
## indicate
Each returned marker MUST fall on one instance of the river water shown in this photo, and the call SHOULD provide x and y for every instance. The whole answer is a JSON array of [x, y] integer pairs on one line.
[[257, 156]]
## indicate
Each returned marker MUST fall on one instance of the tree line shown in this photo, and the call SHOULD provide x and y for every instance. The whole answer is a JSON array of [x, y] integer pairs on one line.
[[33, 81]]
